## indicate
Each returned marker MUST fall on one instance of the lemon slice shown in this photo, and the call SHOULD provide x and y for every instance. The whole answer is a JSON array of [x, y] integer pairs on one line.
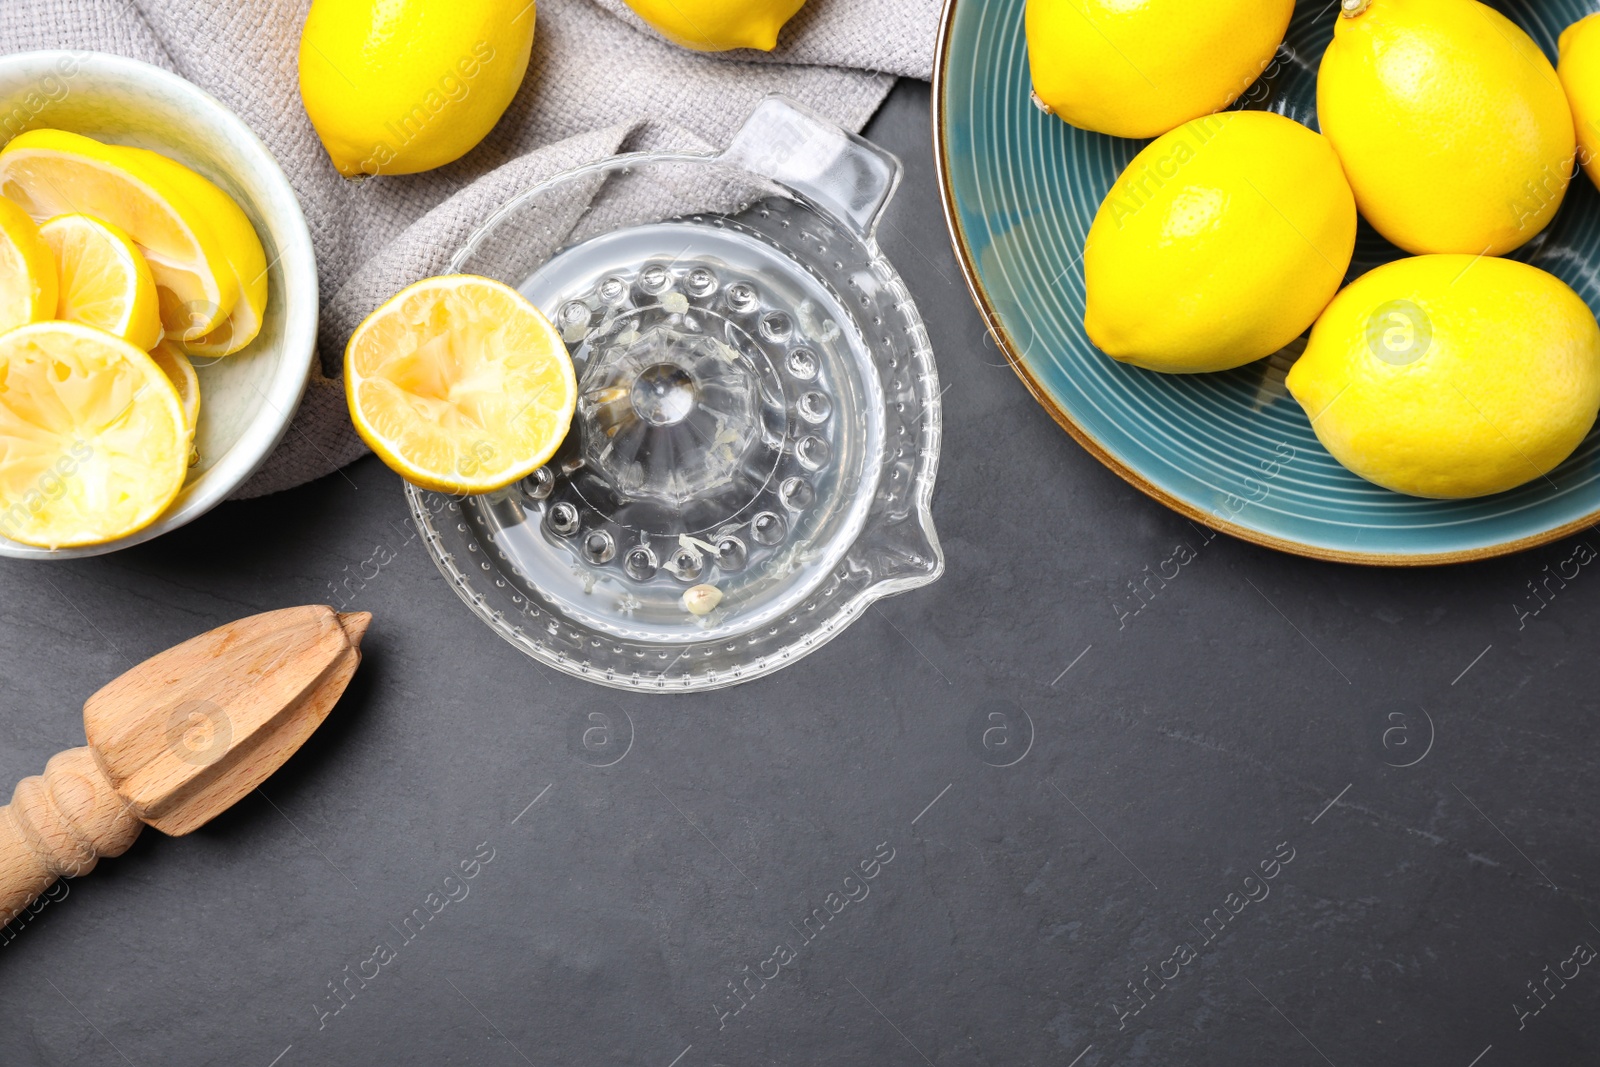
[[460, 385], [93, 445], [52, 172], [176, 366], [104, 280], [27, 270], [240, 246]]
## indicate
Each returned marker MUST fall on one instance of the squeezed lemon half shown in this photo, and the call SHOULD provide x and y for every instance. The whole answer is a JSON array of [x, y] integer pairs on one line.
[[103, 279], [93, 441], [460, 385]]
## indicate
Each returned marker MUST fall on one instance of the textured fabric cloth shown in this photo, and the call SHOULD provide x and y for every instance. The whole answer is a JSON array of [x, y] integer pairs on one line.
[[600, 82]]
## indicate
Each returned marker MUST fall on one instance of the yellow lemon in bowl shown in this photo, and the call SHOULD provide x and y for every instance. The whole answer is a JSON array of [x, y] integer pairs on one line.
[[93, 436], [403, 86], [240, 247], [104, 280], [28, 281], [1139, 68], [53, 172], [1450, 122], [718, 25], [175, 364], [1451, 376], [1219, 244]]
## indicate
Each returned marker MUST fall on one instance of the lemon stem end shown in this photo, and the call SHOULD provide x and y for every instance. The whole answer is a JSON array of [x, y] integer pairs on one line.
[[1352, 8]]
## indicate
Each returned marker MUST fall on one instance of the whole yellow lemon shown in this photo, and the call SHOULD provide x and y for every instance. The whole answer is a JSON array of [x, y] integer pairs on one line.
[[718, 25], [1220, 244], [401, 86], [1451, 124], [1452, 376], [1139, 68], [1579, 69]]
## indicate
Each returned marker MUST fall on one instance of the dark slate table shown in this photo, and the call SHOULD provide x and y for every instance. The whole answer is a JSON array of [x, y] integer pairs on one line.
[[1283, 813]]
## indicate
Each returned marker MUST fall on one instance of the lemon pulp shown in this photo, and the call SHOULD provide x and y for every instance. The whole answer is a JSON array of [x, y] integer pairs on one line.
[[460, 384], [93, 444]]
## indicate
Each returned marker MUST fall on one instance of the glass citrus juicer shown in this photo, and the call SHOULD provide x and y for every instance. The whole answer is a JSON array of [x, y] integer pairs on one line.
[[758, 422]]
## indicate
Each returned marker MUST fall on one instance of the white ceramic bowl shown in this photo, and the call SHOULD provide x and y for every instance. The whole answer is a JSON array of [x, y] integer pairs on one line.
[[247, 399]]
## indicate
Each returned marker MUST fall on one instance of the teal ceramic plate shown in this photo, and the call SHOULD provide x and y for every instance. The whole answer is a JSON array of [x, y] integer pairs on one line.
[[1231, 450]]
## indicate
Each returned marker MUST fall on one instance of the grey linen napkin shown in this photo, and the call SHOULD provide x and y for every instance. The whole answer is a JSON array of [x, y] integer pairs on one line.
[[600, 82]]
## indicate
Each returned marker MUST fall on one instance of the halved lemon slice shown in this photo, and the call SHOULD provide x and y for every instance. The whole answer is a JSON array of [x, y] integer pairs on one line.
[[27, 270], [52, 172], [240, 246], [104, 280], [93, 445], [460, 385], [176, 366]]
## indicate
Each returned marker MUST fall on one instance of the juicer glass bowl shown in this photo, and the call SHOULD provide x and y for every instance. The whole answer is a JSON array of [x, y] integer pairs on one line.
[[757, 435]]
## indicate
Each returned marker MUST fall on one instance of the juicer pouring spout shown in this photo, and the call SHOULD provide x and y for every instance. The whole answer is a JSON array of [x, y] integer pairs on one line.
[[841, 173]]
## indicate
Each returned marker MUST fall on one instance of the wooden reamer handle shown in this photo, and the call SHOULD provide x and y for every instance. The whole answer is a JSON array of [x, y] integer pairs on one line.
[[175, 741], [58, 825]]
